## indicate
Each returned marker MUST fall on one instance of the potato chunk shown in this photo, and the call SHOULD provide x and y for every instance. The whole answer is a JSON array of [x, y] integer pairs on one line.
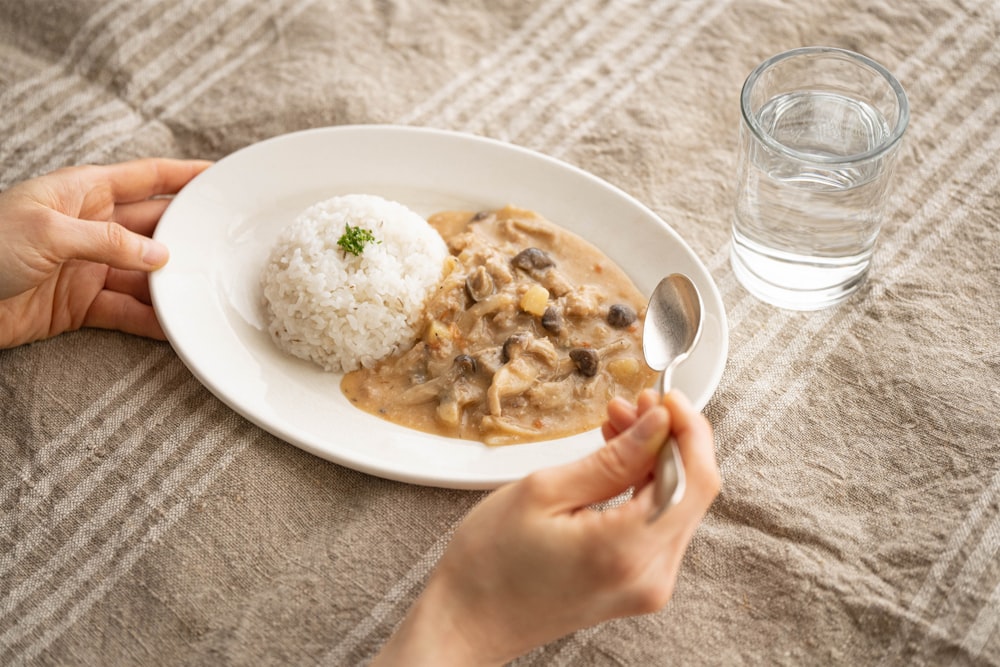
[[535, 300]]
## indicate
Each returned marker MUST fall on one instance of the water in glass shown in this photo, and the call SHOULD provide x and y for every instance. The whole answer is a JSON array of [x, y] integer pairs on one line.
[[806, 219]]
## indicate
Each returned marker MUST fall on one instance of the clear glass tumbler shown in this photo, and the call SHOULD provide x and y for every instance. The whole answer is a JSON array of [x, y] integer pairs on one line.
[[818, 138]]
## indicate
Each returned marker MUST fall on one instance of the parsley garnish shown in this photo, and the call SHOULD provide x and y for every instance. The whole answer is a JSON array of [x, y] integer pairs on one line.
[[354, 239]]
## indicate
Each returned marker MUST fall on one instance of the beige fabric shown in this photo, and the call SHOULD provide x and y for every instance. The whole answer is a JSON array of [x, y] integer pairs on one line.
[[143, 522]]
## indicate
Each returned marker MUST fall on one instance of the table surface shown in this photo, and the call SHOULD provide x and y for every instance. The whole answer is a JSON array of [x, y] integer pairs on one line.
[[143, 521]]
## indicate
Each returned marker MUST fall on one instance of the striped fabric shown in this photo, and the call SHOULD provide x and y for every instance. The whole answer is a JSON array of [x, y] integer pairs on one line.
[[143, 522]]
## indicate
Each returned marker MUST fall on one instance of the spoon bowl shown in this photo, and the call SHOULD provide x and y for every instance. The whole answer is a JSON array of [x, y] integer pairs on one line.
[[670, 332]]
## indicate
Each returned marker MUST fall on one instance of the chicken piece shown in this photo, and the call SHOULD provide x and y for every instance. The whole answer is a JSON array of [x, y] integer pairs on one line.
[[499, 269], [458, 243], [585, 301], [539, 265], [524, 356], [551, 395], [512, 379], [555, 282], [525, 343], [449, 298], [490, 359]]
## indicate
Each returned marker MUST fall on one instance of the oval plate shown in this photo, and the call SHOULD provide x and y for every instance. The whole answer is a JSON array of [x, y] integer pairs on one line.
[[221, 226]]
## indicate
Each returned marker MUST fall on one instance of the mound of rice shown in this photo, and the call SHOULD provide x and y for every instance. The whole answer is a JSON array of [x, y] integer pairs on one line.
[[344, 311]]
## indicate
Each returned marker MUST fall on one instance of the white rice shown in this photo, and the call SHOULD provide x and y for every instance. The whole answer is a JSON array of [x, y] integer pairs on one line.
[[344, 311]]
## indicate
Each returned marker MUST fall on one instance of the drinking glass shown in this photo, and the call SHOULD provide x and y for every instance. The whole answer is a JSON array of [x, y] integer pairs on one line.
[[819, 134]]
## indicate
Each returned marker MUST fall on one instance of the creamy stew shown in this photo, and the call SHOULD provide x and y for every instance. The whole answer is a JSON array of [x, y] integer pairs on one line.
[[529, 335]]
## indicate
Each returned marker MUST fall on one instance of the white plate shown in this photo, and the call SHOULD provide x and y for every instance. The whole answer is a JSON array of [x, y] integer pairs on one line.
[[220, 227]]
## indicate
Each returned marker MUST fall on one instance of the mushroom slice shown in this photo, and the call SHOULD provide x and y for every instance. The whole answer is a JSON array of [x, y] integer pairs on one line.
[[529, 226], [621, 315], [454, 400], [425, 391], [483, 308], [479, 284], [483, 216], [523, 343], [531, 260], [512, 379], [617, 345], [586, 360], [443, 385], [503, 431], [543, 349]]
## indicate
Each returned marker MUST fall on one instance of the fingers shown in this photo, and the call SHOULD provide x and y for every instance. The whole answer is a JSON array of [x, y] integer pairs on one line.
[[124, 243], [105, 243], [140, 217], [622, 462], [647, 399], [696, 443], [123, 312], [133, 283], [695, 440], [692, 430], [141, 179], [621, 413]]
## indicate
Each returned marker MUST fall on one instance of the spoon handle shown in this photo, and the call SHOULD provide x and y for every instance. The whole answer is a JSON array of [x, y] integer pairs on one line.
[[670, 481]]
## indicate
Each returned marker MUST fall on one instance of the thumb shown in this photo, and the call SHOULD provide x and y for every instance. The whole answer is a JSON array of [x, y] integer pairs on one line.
[[108, 243], [624, 461]]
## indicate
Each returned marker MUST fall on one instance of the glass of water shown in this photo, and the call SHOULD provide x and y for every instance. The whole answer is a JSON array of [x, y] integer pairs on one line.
[[819, 132]]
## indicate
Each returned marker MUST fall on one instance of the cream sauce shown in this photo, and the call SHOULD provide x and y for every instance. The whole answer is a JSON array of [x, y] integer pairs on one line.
[[528, 336]]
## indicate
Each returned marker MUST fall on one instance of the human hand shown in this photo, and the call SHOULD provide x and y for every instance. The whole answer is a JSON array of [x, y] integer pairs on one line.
[[74, 248], [534, 562]]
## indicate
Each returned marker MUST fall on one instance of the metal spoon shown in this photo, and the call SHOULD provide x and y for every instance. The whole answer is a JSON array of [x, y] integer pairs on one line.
[[670, 332]]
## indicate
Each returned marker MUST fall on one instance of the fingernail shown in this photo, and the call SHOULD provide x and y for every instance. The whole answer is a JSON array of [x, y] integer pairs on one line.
[[154, 253]]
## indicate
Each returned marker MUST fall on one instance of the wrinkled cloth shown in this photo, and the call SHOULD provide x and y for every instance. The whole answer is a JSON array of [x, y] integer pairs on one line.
[[144, 522]]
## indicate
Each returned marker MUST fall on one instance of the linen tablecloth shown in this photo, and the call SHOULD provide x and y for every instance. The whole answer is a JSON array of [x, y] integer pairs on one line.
[[143, 522]]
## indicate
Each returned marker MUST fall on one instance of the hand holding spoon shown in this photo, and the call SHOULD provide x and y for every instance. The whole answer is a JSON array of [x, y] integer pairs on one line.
[[670, 332]]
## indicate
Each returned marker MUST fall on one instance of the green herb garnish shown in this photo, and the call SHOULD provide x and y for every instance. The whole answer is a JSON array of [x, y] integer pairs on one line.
[[354, 239]]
